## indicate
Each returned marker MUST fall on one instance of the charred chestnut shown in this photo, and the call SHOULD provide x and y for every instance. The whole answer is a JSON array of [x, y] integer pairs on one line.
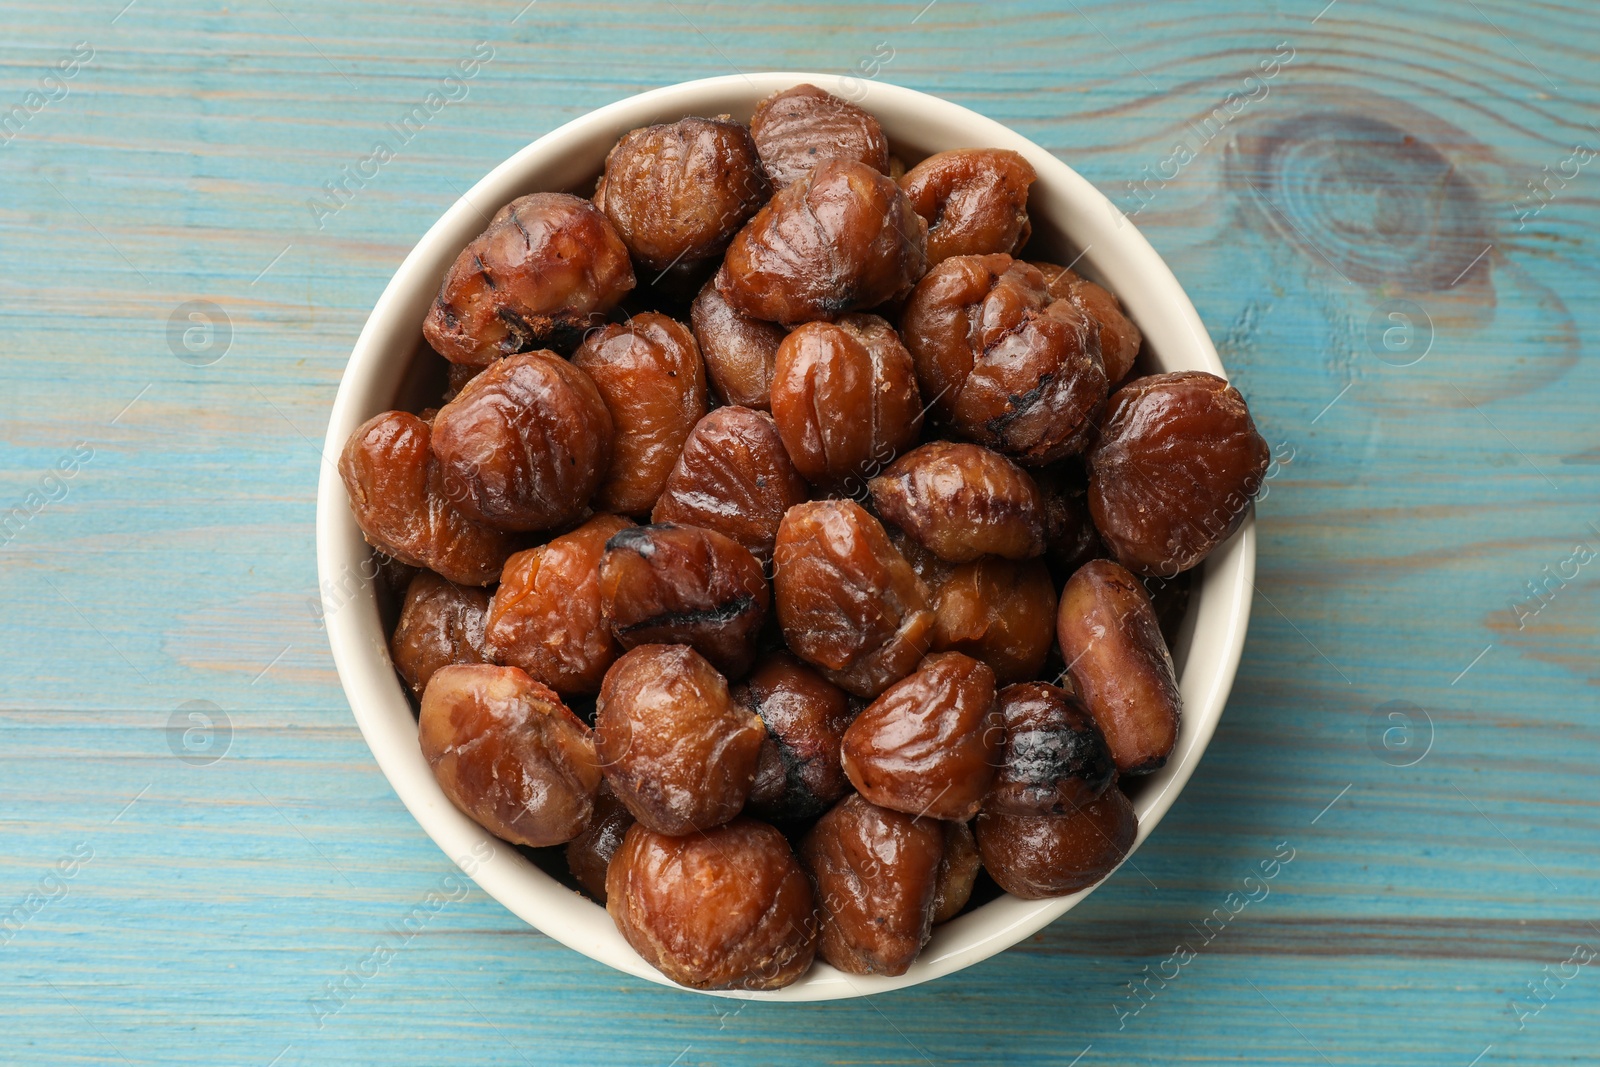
[[1055, 759], [670, 584], [805, 716]]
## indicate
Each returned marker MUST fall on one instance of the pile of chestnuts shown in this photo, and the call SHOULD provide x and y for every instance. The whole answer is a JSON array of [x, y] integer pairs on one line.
[[778, 556]]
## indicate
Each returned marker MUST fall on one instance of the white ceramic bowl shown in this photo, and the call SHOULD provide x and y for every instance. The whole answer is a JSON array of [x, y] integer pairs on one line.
[[1070, 216]]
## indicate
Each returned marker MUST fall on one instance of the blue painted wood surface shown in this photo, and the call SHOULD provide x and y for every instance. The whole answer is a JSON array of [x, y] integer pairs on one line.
[[1410, 718]]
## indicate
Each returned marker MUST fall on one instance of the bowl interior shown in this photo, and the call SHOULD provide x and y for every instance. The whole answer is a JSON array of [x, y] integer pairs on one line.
[[1073, 223]]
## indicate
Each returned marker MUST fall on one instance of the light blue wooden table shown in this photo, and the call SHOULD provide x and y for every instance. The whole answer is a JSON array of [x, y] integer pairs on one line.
[[1390, 227]]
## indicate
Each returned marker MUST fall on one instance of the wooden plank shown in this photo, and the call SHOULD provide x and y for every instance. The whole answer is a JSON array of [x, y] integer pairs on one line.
[[176, 565]]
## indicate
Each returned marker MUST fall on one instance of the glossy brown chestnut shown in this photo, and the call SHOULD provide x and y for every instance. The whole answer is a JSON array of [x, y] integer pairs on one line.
[[1172, 475], [1119, 337], [798, 128], [549, 266], [678, 752], [1055, 758], [649, 374], [671, 584], [844, 396], [799, 776], [999, 611], [739, 351], [734, 477], [1004, 364], [508, 753], [1119, 664], [975, 201], [876, 873], [440, 623], [848, 602], [962, 501], [546, 616], [1038, 856], [525, 444], [958, 871], [842, 238], [930, 745], [401, 499], [726, 909], [677, 192], [589, 854]]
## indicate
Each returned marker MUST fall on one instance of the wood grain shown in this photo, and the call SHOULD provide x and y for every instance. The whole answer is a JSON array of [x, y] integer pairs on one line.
[[218, 900]]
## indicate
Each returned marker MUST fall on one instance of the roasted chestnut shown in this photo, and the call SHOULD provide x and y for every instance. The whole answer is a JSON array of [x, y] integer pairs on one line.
[[1038, 856], [549, 266], [975, 201], [1119, 664], [1055, 759], [508, 753], [440, 623], [739, 351], [962, 501], [798, 128], [999, 611], [805, 715]]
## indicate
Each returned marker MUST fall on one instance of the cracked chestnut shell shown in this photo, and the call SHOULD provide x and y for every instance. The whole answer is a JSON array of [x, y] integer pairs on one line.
[[841, 238], [875, 873], [1055, 759], [1119, 664], [671, 584], [549, 266], [649, 374], [929, 746], [844, 396], [805, 716], [847, 601], [1172, 475], [508, 753], [730, 908], [1038, 856], [1119, 337], [734, 477], [677, 192], [1000, 611], [440, 623], [1006, 366], [739, 351], [589, 854], [525, 444], [798, 128], [401, 498], [962, 501], [676, 749], [975, 201], [546, 616]]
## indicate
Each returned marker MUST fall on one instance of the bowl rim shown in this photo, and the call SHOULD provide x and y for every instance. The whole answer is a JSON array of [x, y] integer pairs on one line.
[[1084, 217]]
